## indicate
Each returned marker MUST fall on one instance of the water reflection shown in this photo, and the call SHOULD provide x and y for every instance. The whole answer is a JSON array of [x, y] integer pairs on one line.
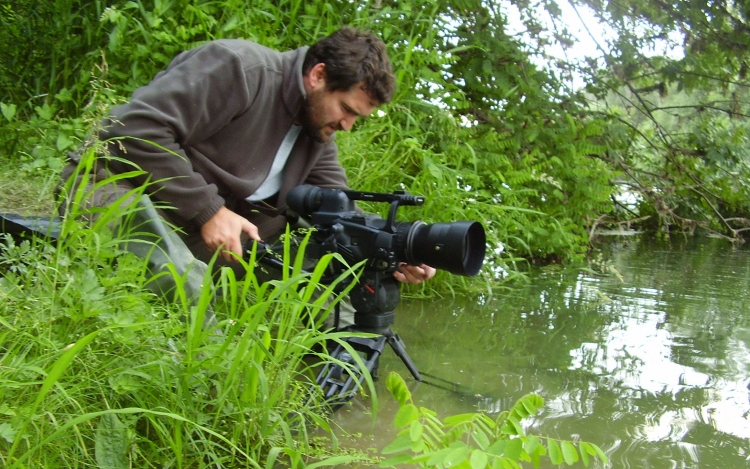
[[649, 360]]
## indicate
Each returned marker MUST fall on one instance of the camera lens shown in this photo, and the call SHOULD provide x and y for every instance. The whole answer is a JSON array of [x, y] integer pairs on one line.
[[457, 247]]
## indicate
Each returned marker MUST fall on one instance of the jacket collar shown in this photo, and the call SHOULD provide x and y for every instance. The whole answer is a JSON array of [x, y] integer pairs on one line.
[[294, 89]]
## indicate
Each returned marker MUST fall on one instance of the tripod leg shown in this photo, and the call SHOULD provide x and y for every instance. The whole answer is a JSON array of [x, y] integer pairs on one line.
[[400, 349], [339, 385]]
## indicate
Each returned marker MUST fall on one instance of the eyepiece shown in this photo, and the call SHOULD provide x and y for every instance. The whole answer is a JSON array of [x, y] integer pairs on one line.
[[306, 199]]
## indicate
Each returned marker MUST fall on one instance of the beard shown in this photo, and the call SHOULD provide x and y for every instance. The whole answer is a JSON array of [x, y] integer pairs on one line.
[[313, 121]]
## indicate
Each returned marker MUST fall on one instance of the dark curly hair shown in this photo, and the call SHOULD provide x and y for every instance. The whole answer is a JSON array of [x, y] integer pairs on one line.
[[353, 56]]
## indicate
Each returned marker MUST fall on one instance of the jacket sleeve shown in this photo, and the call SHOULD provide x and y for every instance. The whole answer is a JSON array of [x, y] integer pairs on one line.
[[201, 92]]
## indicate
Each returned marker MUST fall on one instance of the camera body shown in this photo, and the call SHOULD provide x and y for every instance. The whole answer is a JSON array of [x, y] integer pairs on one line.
[[383, 244]]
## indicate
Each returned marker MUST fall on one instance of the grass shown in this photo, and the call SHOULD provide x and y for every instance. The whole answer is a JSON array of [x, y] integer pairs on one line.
[[27, 193], [96, 371]]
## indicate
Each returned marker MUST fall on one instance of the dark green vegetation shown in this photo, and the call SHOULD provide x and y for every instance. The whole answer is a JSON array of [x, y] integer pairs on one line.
[[97, 372], [476, 126], [89, 361]]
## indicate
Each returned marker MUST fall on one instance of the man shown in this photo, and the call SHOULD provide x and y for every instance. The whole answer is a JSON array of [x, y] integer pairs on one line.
[[231, 126]]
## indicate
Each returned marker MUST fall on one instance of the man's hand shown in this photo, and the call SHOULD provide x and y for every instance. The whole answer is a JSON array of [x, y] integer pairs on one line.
[[223, 232], [413, 273]]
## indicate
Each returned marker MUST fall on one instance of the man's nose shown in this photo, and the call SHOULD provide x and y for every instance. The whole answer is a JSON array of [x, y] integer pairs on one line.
[[347, 122]]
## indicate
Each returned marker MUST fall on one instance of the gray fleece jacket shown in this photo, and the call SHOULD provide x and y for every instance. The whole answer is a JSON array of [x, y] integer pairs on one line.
[[208, 127]]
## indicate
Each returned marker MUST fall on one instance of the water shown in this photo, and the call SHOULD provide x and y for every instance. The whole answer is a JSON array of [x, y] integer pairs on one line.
[[646, 355]]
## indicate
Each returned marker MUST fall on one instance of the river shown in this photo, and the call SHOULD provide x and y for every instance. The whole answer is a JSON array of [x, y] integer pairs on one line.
[[646, 354]]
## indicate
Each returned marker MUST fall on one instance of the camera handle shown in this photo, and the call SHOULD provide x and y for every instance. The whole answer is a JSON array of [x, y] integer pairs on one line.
[[374, 299]]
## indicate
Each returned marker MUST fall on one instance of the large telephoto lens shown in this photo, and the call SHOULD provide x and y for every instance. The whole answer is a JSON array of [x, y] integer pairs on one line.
[[457, 247]]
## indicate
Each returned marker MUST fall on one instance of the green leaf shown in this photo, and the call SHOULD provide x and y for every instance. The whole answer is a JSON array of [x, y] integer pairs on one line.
[[436, 458], [405, 416], [397, 460], [396, 385], [497, 448], [64, 96], [481, 439], [516, 425], [8, 110], [554, 452], [401, 443], [63, 142], [458, 419], [478, 459], [531, 443], [584, 453], [111, 445], [569, 453], [532, 402], [416, 430], [508, 464], [433, 168], [520, 410], [231, 24], [45, 111], [7, 432], [457, 456], [513, 450], [417, 446], [600, 453], [535, 457]]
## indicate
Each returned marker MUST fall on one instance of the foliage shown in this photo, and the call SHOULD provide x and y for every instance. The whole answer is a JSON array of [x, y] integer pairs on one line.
[[37, 141], [46, 49], [475, 440], [96, 370], [512, 151], [474, 119], [671, 81]]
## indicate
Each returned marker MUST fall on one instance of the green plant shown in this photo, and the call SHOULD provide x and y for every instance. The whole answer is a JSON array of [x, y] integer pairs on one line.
[[96, 369], [475, 441]]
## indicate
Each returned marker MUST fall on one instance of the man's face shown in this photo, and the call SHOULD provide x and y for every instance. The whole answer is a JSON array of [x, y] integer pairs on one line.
[[325, 111]]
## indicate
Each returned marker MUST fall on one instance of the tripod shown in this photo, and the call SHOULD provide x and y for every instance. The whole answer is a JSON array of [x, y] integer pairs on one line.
[[374, 298]]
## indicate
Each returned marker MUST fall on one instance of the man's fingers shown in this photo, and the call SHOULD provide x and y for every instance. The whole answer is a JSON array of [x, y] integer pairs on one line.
[[409, 276], [233, 246], [414, 274], [223, 232], [429, 272], [251, 230]]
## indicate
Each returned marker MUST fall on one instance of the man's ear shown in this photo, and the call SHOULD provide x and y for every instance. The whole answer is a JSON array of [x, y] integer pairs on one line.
[[317, 76]]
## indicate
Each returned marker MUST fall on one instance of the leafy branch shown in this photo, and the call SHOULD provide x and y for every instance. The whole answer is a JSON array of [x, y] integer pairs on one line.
[[474, 440]]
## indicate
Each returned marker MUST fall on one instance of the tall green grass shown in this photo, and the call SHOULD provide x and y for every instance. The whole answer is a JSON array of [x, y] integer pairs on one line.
[[97, 371]]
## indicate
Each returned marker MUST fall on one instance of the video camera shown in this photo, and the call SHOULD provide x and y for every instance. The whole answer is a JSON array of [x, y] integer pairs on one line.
[[383, 245], [457, 247]]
